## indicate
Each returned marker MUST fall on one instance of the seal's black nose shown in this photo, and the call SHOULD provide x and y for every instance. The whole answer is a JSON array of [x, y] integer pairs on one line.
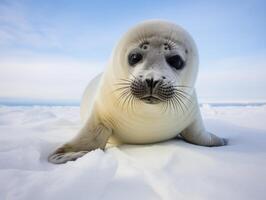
[[151, 83]]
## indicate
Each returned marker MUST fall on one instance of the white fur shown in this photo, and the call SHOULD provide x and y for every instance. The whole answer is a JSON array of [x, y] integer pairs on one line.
[[104, 118]]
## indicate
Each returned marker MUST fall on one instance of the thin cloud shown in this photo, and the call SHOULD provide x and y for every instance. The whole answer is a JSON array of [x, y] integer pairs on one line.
[[46, 77], [233, 79], [17, 29]]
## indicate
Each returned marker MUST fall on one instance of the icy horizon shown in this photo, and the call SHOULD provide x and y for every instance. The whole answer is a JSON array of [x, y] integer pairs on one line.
[[41, 102]]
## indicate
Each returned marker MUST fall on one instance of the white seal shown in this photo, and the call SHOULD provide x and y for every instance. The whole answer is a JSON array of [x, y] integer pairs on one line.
[[145, 95]]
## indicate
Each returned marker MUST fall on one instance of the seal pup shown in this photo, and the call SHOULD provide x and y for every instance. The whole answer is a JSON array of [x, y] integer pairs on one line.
[[145, 95]]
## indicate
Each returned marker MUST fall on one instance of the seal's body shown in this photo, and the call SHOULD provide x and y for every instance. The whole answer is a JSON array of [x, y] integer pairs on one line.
[[145, 124], [145, 95]]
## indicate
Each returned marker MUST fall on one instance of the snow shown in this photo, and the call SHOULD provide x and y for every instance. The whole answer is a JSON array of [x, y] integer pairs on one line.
[[168, 170]]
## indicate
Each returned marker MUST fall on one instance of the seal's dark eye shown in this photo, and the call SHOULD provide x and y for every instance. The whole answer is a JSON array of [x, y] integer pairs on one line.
[[134, 58], [175, 61]]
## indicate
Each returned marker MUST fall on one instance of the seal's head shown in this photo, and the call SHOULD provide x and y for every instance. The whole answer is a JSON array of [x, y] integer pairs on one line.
[[157, 62]]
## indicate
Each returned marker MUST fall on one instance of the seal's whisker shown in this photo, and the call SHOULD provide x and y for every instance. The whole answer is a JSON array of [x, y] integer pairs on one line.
[[123, 94], [125, 80], [121, 88], [176, 106], [167, 105], [123, 83], [178, 102], [131, 99], [182, 94], [135, 102], [173, 105], [131, 103], [125, 100], [181, 102], [182, 91], [170, 104], [182, 86], [120, 102]]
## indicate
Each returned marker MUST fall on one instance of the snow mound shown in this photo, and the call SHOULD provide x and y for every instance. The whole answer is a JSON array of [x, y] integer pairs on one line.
[[168, 170]]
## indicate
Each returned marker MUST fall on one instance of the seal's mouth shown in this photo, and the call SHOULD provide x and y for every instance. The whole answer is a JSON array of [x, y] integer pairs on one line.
[[150, 99]]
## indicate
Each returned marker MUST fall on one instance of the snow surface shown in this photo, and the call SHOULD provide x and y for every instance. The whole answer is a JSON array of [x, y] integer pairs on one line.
[[168, 170]]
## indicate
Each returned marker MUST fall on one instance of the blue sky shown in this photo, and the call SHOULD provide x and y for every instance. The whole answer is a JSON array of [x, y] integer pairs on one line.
[[49, 50]]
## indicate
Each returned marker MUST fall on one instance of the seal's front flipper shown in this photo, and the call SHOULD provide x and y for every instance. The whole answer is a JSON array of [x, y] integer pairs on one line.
[[87, 140], [195, 133], [60, 158]]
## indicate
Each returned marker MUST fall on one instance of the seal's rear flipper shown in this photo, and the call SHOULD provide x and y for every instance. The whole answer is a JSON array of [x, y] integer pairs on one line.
[[195, 133]]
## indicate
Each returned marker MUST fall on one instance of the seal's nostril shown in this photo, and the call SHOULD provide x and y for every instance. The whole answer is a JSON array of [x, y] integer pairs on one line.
[[155, 83], [151, 83]]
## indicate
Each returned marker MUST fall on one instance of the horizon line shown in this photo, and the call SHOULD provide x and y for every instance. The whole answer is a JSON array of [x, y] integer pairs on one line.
[[61, 102]]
